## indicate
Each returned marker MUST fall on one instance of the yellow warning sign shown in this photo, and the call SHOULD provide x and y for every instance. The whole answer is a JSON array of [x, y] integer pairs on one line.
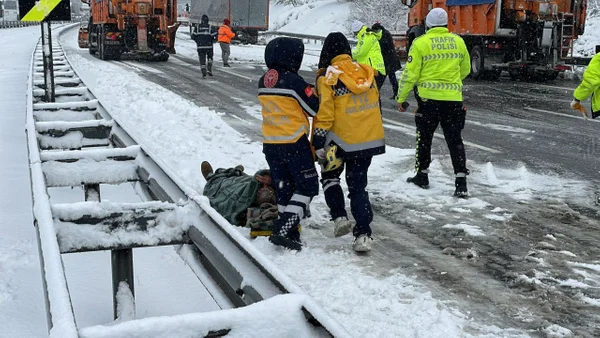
[[40, 9]]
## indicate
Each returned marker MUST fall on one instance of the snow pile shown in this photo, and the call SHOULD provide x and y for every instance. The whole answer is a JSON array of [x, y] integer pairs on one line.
[[127, 224], [125, 303], [322, 16], [272, 318], [585, 45], [61, 174]]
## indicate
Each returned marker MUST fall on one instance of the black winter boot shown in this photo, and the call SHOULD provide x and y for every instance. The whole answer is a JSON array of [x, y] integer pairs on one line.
[[209, 68], [421, 179], [203, 73], [461, 187]]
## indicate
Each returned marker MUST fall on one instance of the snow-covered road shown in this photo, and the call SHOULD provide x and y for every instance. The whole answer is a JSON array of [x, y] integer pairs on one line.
[[519, 259], [471, 253]]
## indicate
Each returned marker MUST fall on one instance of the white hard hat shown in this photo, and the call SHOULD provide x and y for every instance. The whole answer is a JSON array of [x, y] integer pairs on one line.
[[356, 26], [436, 17]]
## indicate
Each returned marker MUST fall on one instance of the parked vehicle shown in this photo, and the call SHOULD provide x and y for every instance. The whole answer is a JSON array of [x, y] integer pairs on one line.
[[139, 28], [527, 38], [82, 37], [247, 17]]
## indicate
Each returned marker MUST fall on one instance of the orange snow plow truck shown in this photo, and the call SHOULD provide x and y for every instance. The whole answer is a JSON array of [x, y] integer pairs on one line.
[[527, 38], [141, 29]]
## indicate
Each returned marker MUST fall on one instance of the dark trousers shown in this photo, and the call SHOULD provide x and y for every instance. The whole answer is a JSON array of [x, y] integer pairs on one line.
[[295, 180], [451, 116], [360, 205], [379, 80], [205, 54], [393, 82]]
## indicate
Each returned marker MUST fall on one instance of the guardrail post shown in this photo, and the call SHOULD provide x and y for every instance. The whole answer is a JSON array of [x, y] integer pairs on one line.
[[121, 261], [48, 62]]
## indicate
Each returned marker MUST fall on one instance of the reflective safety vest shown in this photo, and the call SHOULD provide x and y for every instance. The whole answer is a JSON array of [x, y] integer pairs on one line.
[[368, 50], [590, 85], [437, 63], [287, 101], [225, 34]]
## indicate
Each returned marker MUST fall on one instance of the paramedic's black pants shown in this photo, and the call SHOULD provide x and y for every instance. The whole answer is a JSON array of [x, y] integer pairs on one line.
[[451, 116]]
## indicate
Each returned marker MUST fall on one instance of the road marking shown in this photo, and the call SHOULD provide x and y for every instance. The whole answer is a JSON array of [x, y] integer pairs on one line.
[[560, 114], [225, 70], [557, 87], [142, 67], [438, 135]]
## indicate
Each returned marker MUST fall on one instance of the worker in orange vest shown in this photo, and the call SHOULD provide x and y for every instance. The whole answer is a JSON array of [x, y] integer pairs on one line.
[[225, 36]]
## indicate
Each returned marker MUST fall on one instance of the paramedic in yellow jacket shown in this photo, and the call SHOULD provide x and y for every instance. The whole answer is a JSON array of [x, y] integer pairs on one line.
[[349, 117], [368, 51], [437, 63], [287, 101], [590, 86]]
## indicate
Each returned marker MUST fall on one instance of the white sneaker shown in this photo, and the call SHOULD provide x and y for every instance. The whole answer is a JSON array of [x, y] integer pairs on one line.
[[362, 243], [342, 225]]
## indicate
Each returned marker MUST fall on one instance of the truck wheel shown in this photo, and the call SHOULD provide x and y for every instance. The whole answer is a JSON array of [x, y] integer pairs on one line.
[[493, 75], [101, 48], [477, 62], [551, 75]]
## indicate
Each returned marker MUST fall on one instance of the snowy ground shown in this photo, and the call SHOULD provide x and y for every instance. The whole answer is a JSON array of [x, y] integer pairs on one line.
[[183, 135], [369, 298]]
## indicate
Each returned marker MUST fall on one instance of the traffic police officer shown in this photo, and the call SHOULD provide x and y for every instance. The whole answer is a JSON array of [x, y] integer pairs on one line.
[[437, 63], [590, 86]]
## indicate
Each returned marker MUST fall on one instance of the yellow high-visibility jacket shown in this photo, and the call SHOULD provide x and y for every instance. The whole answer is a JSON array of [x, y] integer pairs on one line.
[[590, 85], [349, 114], [368, 51], [437, 63]]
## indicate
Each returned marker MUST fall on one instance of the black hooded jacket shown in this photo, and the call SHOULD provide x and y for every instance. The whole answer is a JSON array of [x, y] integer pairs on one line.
[[204, 35], [282, 91], [335, 44], [388, 49]]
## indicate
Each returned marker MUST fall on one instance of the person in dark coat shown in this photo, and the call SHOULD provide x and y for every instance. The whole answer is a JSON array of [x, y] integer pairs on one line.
[[287, 102], [390, 57], [204, 36]]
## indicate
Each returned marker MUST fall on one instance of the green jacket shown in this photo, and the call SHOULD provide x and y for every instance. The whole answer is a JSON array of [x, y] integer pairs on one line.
[[368, 51], [590, 85], [231, 191], [437, 63]]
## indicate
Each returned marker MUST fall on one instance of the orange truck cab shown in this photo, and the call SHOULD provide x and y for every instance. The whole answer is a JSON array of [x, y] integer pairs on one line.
[[527, 38], [141, 28]]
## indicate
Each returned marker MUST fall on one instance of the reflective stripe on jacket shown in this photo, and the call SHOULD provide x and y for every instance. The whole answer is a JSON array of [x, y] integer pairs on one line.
[[368, 51], [590, 85], [349, 114], [437, 63], [287, 101], [225, 34]]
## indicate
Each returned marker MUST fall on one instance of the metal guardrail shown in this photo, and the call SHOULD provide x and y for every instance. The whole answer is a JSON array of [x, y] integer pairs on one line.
[[233, 271], [17, 24], [304, 37]]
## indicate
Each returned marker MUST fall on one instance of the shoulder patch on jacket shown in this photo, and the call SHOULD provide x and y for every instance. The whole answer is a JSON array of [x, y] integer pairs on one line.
[[271, 78], [308, 91]]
